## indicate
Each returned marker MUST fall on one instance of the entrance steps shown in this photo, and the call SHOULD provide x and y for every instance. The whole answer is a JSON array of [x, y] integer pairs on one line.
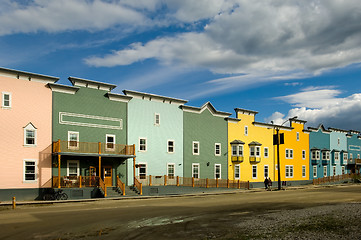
[[116, 192]]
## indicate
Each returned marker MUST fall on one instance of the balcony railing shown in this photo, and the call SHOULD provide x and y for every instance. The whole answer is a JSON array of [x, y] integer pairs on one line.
[[315, 161], [325, 162], [237, 159], [358, 161], [254, 159], [75, 181], [93, 147]]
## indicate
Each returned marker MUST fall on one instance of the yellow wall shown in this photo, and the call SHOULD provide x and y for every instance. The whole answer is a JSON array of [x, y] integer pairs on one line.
[[290, 138], [263, 135]]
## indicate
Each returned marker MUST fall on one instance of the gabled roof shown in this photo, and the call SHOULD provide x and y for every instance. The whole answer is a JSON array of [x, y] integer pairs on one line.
[[154, 96], [81, 82], [320, 127], [325, 150], [205, 106], [27, 75], [255, 143], [118, 97], [236, 141], [314, 149]]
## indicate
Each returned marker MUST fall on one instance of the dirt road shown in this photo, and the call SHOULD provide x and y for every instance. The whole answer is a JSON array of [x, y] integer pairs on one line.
[[312, 213]]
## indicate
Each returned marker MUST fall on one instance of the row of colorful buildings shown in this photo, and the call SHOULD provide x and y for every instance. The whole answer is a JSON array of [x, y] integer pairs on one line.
[[84, 129]]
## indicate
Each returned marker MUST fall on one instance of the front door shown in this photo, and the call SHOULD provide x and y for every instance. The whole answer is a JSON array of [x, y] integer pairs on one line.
[[93, 174], [108, 175]]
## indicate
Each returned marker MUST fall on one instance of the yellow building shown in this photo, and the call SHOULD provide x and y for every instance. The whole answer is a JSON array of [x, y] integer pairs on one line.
[[250, 147], [294, 157]]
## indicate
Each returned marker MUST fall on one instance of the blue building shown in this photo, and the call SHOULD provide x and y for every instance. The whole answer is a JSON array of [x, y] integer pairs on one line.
[[338, 146], [354, 151]]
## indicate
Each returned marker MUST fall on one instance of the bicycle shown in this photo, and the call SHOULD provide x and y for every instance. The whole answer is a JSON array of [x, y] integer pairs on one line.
[[59, 195]]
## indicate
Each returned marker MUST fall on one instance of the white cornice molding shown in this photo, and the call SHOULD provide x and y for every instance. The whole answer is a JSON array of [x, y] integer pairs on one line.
[[27, 76], [80, 82], [154, 97], [62, 88]]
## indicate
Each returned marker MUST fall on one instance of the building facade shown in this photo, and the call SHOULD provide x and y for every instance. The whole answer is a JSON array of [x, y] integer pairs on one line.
[[205, 151], [338, 146], [25, 117], [353, 163]]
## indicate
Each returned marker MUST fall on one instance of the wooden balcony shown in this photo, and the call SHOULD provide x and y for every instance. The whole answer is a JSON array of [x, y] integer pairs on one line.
[[237, 159], [254, 159], [92, 148]]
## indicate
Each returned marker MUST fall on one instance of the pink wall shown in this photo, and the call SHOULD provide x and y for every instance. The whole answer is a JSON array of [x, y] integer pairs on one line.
[[31, 102]]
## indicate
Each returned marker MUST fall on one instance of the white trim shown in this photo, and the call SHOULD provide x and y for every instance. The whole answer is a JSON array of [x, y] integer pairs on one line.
[[215, 170], [239, 171], [3, 100], [297, 136], [155, 119], [35, 161], [288, 153], [146, 147], [254, 167], [78, 137], [215, 149], [30, 127], [197, 142], [77, 167], [264, 171], [245, 130], [314, 171], [146, 169], [106, 142], [289, 167], [333, 170], [324, 171], [264, 152], [199, 169], [305, 169], [304, 154], [118, 126], [170, 140], [171, 164]]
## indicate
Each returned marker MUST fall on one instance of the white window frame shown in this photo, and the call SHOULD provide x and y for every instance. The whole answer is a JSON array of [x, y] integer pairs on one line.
[[193, 148], [193, 168], [254, 151], [334, 170], [169, 146], [146, 169], [343, 170], [245, 130], [142, 145], [215, 171], [289, 153], [338, 141], [345, 156], [32, 128], [254, 171], [266, 152], [219, 149], [77, 140], [266, 171], [351, 156], [106, 142], [324, 171], [289, 171], [314, 171], [303, 171], [337, 156], [303, 154], [238, 149], [77, 167], [156, 119], [298, 136], [35, 161], [168, 173], [3, 100], [239, 171]]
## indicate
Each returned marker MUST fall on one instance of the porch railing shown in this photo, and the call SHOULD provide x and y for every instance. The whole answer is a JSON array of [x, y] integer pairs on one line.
[[121, 185], [92, 147], [75, 181], [138, 185], [103, 187], [336, 178], [191, 182]]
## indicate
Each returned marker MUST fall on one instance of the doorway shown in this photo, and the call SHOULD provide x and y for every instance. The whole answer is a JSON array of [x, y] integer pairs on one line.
[[108, 176]]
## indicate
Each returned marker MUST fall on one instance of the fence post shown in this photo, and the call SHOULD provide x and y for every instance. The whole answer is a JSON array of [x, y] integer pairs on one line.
[[216, 182], [206, 182], [192, 181], [227, 183], [165, 180], [239, 184], [141, 189], [14, 203], [80, 181], [248, 185], [177, 181], [150, 180]]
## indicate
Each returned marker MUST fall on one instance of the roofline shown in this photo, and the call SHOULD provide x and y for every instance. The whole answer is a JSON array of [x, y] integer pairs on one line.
[[199, 109], [245, 110], [273, 126], [130, 92], [107, 85], [338, 129], [29, 74], [53, 87]]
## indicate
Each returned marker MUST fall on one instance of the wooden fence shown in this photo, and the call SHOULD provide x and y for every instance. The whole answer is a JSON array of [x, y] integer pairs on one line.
[[336, 178]]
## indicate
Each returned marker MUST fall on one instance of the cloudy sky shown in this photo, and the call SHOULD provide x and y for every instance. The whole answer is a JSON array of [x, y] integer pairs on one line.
[[280, 58]]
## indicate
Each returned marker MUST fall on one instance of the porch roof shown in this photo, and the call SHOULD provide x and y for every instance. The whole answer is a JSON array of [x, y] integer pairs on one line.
[[94, 155]]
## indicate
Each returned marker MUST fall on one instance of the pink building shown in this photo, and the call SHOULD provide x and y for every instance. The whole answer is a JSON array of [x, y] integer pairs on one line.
[[26, 128]]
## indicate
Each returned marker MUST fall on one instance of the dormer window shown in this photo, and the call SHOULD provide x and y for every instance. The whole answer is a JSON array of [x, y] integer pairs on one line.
[[30, 135]]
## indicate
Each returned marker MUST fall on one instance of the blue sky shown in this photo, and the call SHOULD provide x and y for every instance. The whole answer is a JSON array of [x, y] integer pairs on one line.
[[280, 58]]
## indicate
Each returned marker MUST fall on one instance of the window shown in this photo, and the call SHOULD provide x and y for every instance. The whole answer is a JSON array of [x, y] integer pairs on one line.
[[170, 170], [255, 151], [195, 170], [289, 171], [30, 135], [6, 100], [156, 119], [334, 170], [325, 155], [358, 156], [315, 171], [337, 156], [254, 171], [325, 171], [217, 149], [234, 150], [338, 141], [170, 146], [237, 171], [237, 150], [110, 142], [276, 167], [303, 171], [195, 148], [73, 140], [73, 168], [315, 155], [217, 171], [29, 170], [266, 173], [343, 170], [289, 153], [142, 170], [351, 156], [266, 152], [246, 130], [303, 154], [298, 136], [142, 144], [345, 156]]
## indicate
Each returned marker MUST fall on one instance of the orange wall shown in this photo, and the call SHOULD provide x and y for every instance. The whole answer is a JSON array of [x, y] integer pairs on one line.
[[31, 102]]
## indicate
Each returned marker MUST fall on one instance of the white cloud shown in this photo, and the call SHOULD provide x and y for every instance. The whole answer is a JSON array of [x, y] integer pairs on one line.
[[338, 112]]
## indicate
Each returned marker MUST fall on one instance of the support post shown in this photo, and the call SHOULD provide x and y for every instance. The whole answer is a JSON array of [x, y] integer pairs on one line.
[[133, 171], [14, 203], [177, 181], [278, 159], [80, 181], [150, 180], [206, 182], [165, 180], [192, 181], [216, 182], [59, 165], [100, 159]]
